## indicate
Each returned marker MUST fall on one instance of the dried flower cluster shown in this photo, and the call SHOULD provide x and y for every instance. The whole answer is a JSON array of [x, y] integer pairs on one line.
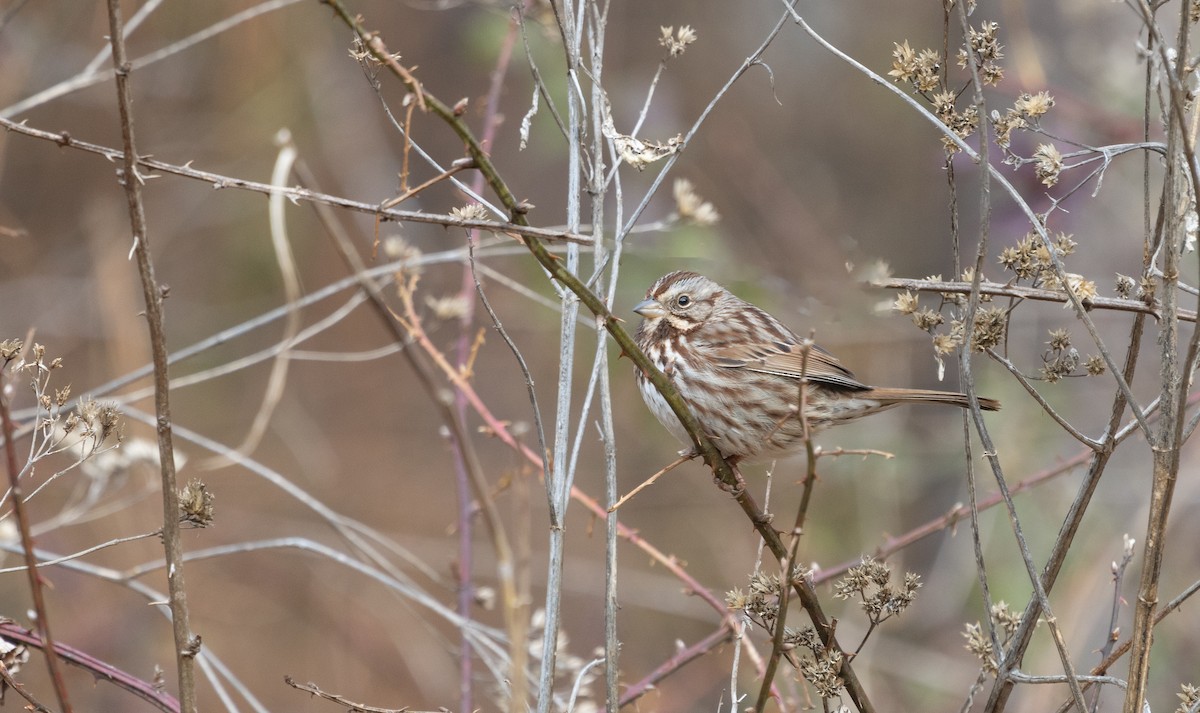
[[820, 666], [871, 582], [991, 326], [10, 349], [761, 601], [676, 42], [1124, 286], [691, 207], [979, 640], [982, 51], [1144, 289], [1023, 114], [920, 69], [1048, 163], [1030, 259], [1189, 697], [990, 323], [90, 433], [195, 504], [822, 672], [90, 427], [470, 211], [984, 46], [1062, 359]]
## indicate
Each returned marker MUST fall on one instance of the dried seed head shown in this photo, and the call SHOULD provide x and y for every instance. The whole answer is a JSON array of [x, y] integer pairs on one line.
[[927, 320], [1125, 286], [195, 504], [980, 644], [471, 211], [1049, 163], [822, 672], [691, 207], [1188, 695], [920, 69], [1059, 339], [676, 42], [989, 329], [906, 303], [1032, 106], [447, 307], [10, 348]]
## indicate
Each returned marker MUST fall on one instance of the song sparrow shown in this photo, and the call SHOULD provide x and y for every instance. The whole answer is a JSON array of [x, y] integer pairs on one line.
[[739, 370]]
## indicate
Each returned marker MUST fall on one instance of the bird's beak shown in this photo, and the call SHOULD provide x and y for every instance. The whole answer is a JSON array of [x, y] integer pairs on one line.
[[650, 309]]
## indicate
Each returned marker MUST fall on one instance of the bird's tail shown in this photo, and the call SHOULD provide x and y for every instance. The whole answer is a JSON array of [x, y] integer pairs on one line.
[[900, 396]]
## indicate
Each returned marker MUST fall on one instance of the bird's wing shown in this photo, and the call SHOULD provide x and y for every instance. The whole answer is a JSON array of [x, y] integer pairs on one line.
[[788, 360]]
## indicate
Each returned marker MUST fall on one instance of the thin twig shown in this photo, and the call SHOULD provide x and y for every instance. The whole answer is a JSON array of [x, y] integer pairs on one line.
[[186, 643], [89, 78], [1026, 293], [650, 481], [1037, 396], [454, 168], [85, 552], [9, 682], [677, 661], [1118, 578], [1022, 677], [41, 614], [219, 181], [353, 707]]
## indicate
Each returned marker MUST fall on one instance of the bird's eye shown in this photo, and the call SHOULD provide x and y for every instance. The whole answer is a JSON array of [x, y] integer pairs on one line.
[[683, 301]]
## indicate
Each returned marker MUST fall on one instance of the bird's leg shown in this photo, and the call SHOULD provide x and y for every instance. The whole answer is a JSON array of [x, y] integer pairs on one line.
[[739, 487]]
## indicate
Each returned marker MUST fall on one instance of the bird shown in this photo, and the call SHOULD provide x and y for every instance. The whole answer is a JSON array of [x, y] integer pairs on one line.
[[740, 371]]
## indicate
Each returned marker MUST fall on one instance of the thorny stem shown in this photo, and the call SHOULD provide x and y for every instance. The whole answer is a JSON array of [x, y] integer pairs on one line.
[[219, 181], [187, 645], [680, 658], [1026, 293], [35, 579], [97, 668], [1178, 189]]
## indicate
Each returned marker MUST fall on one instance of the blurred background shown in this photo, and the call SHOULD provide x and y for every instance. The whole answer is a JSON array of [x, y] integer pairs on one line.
[[816, 173]]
